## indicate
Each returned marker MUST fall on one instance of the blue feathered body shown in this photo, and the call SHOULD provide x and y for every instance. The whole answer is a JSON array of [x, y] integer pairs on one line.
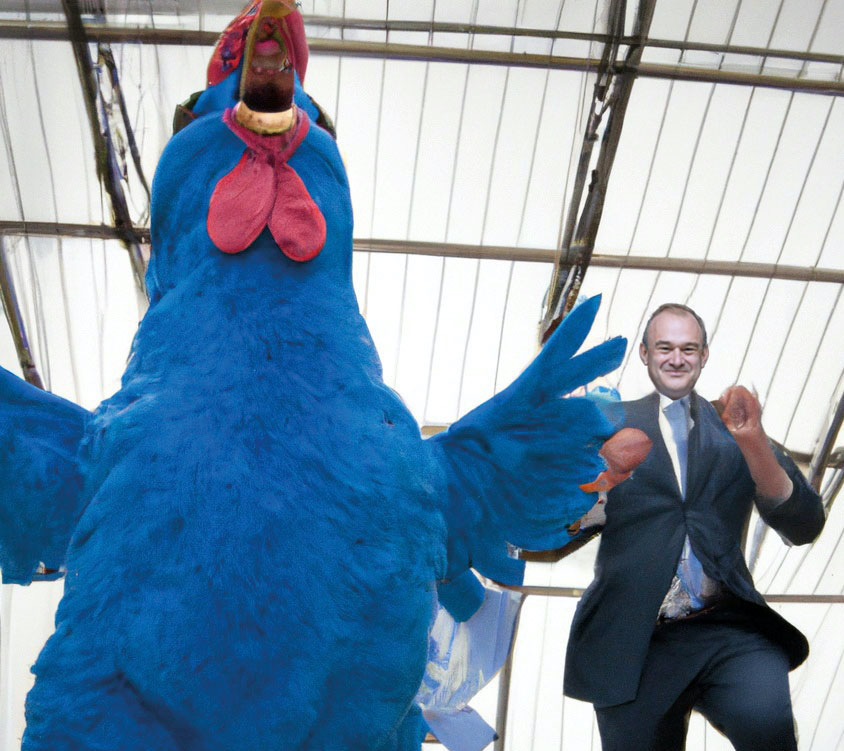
[[260, 525]]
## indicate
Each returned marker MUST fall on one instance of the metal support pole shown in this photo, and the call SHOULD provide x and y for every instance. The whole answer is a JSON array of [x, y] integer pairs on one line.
[[822, 455], [576, 248], [107, 166], [13, 316], [504, 678]]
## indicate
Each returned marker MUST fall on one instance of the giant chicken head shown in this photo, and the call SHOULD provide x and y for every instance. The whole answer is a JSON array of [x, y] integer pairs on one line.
[[237, 171], [267, 83], [275, 31]]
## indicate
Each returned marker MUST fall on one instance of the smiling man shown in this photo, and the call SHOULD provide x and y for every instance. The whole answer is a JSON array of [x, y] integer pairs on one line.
[[677, 350], [672, 621]]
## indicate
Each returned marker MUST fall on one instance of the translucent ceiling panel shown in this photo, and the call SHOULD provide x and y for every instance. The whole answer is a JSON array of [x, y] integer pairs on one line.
[[818, 685], [450, 332], [480, 375], [359, 86], [766, 338], [80, 310], [755, 22], [457, 11], [792, 162], [404, 332], [671, 20], [664, 190], [527, 286], [832, 255], [808, 369], [324, 7], [539, 14], [822, 327], [516, 121], [401, 104], [557, 143], [798, 23], [437, 151], [808, 238], [50, 176], [712, 20], [536, 143], [828, 36], [715, 135], [585, 16], [478, 154], [411, 10], [376, 9], [483, 99], [321, 81], [629, 180], [453, 320], [154, 79], [724, 173], [769, 320]]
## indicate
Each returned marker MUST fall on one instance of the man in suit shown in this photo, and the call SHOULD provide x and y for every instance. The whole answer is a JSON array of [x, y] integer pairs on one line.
[[672, 621]]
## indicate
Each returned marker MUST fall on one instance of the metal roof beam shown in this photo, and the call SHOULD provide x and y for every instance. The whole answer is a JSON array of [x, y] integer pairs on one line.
[[391, 51], [118, 33], [558, 34], [491, 252]]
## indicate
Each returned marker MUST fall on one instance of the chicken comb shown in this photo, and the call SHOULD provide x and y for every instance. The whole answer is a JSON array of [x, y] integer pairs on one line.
[[228, 53]]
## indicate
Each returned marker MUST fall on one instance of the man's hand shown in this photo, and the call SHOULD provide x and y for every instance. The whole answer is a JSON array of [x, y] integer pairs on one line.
[[623, 452], [742, 414]]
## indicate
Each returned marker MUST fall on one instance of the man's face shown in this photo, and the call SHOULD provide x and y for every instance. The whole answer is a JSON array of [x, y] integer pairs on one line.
[[674, 355]]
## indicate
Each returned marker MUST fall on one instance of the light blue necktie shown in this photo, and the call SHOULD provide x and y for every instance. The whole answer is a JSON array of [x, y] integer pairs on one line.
[[676, 414], [689, 570]]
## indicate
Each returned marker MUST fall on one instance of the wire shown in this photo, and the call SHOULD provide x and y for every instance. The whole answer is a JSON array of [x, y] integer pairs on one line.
[[35, 284], [495, 143], [658, 275], [474, 16], [59, 243], [782, 250]]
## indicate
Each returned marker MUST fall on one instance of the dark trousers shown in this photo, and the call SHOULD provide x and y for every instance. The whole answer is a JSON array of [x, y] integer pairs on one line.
[[719, 665]]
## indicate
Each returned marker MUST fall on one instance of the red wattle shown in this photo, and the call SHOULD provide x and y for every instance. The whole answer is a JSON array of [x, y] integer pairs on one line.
[[241, 204], [263, 190], [296, 223]]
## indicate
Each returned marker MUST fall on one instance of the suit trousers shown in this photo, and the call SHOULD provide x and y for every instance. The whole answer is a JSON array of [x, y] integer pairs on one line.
[[718, 664]]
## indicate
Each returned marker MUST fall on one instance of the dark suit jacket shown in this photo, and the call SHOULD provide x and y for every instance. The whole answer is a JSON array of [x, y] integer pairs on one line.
[[647, 522]]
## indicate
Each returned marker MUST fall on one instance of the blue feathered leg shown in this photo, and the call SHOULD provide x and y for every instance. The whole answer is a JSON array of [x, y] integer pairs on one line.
[[40, 478], [514, 464]]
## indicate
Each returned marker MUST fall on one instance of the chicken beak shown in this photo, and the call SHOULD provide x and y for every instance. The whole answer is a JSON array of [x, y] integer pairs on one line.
[[268, 79]]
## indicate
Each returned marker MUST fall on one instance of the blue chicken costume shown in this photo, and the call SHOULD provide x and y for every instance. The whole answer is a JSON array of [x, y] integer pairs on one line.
[[252, 528]]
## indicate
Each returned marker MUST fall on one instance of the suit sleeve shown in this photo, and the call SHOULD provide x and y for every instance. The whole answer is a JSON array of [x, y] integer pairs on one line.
[[801, 517]]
